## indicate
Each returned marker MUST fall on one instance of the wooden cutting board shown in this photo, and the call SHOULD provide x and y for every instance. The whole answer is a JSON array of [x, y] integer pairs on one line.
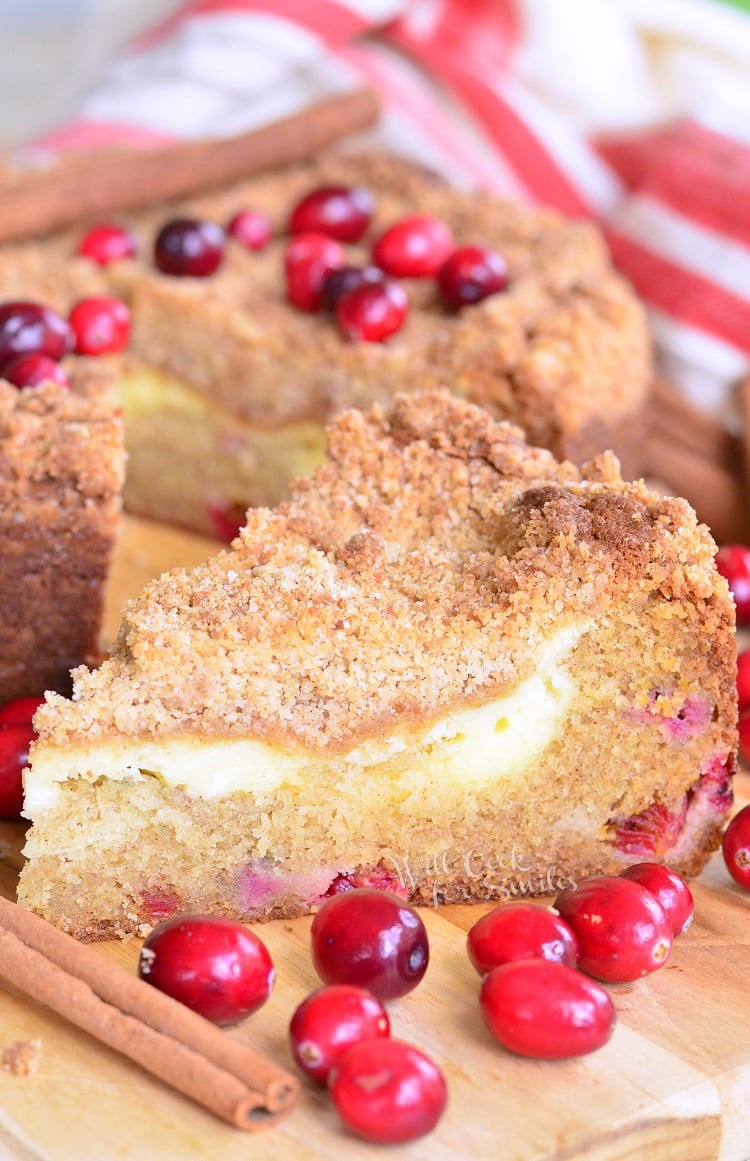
[[673, 1084]]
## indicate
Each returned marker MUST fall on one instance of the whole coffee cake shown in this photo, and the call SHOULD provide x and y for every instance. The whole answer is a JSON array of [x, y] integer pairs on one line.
[[449, 665], [228, 384]]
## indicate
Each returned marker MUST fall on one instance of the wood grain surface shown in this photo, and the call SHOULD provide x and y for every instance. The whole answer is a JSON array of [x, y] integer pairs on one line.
[[673, 1084]]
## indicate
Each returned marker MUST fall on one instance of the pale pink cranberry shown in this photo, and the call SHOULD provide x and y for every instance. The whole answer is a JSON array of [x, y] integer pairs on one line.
[[743, 680], [251, 228], [331, 1020], [189, 248], [415, 247], [733, 562], [101, 325], [27, 328], [736, 848], [371, 939], [339, 211], [387, 1091], [372, 313], [652, 831], [31, 370], [520, 931], [471, 274], [715, 783], [108, 243], [622, 930], [307, 261], [340, 282], [159, 903], [669, 889], [215, 966], [545, 1010]]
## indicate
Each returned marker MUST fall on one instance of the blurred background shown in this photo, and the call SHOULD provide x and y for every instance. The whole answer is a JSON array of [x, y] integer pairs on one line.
[[52, 51]]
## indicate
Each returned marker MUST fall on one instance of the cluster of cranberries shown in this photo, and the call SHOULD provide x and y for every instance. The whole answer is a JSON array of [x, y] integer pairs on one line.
[[368, 301], [535, 998], [34, 338]]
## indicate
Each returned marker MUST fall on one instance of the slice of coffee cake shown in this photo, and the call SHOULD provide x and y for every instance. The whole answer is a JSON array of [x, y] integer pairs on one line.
[[450, 665], [61, 470]]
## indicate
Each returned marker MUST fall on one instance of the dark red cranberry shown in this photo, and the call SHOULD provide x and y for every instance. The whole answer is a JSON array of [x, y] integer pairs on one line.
[[371, 939], [415, 247], [622, 930], [733, 562], [227, 521], [27, 328], [20, 711], [309, 258], [189, 248], [379, 878], [520, 931], [340, 282], [743, 680], [470, 274], [669, 889], [108, 243], [101, 325], [251, 228], [736, 848], [545, 1010], [387, 1091], [31, 370], [372, 313], [15, 739], [339, 211], [215, 966], [329, 1021]]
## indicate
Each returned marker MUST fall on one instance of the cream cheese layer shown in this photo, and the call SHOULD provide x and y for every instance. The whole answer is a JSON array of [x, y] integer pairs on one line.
[[470, 748]]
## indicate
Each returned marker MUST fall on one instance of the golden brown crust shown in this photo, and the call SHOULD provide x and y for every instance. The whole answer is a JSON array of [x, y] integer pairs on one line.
[[420, 569]]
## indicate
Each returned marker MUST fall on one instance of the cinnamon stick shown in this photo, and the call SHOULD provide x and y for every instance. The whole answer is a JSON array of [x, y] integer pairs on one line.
[[134, 1018], [82, 185], [716, 493]]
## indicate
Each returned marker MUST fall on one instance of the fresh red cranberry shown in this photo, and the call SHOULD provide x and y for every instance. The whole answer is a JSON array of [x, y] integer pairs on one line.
[[733, 562], [669, 889], [339, 211], [101, 325], [251, 228], [15, 739], [371, 939], [652, 831], [622, 930], [387, 1091], [227, 521], [471, 274], [108, 243], [189, 248], [415, 247], [215, 966], [546, 1010], [329, 1021], [736, 848], [20, 711], [340, 282], [371, 313], [520, 931], [26, 328], [744, 732], [743, 679], [307, 261], [31, 370], [379, 878]]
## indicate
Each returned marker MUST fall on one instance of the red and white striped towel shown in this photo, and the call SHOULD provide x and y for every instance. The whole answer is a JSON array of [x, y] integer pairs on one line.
[[628, 111]]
